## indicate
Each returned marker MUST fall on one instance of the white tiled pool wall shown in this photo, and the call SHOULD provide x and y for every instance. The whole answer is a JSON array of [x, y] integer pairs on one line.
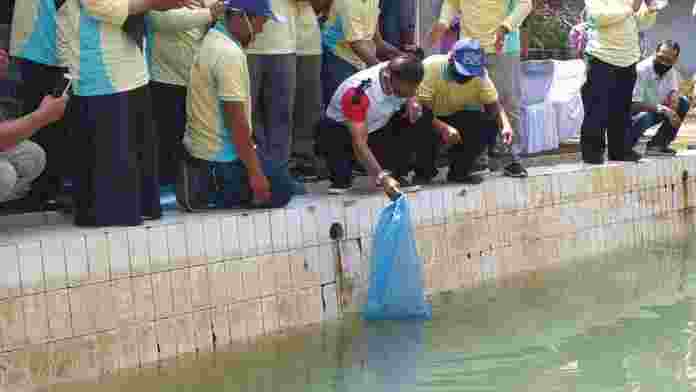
[[76, 303]]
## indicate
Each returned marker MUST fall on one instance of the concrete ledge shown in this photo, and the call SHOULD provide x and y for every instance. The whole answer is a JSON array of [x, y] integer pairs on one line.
[[84, 302]]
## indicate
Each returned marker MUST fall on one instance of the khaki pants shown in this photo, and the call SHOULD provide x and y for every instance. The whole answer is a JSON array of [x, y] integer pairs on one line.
[[504, 71], [19, 166]]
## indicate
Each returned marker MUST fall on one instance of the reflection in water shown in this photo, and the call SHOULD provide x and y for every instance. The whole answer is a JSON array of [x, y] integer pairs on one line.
[[623, 321]]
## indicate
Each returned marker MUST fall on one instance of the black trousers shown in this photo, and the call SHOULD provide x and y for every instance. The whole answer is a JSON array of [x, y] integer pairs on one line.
[[477, 129], [116, 182], [169, 115], [39, 81], [607, 96], [394, 146]]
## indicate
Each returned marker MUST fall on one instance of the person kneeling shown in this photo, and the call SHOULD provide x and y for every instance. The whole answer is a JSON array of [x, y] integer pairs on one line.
[[222, 167], [367, 120], [656, 99], [455, 88], [21, 160]]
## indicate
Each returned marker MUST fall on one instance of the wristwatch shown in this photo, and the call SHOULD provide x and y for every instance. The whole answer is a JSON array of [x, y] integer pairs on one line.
[[381, 175]]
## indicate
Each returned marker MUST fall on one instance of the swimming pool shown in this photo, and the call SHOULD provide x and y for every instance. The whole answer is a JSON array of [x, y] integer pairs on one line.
[[623, 320]]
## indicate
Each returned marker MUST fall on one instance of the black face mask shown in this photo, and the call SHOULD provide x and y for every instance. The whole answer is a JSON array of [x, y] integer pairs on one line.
[[661, 69]]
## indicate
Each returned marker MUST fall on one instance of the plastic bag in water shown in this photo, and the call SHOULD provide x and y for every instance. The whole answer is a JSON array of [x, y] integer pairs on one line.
[[395, 290]]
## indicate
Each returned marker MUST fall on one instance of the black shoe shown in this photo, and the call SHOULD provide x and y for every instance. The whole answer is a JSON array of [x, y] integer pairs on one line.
[[407, 186], [471, 179], [630, 156], [516, 170], [656, 151], [337, 188]]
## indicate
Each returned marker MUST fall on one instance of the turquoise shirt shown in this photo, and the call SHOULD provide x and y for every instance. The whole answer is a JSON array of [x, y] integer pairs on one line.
[[34, 31]]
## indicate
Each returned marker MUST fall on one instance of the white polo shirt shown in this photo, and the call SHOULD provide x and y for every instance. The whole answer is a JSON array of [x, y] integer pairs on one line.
[[650, 88]]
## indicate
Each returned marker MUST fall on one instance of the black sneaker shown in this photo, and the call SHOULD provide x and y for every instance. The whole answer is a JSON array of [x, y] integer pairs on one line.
[[660, 151], [516, 170], [630, 156], [471, 179], [339, 189], [407, 186]]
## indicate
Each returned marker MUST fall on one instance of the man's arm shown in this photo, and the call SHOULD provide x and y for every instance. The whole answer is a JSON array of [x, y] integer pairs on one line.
[[181, 20], [447, 13], [383, 48], [495, 110], [518, 15], [359, 133], [366, 50], [14, 131]]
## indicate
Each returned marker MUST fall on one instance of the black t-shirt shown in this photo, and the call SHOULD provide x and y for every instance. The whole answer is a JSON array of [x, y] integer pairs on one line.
[[6, 17]]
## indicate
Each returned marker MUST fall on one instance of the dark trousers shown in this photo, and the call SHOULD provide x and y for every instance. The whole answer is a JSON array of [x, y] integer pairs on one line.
[[477, 130], [334, 71], [39, 81], [169, 115], [394, 147], [116, 182], [665, 134], [607, 96]]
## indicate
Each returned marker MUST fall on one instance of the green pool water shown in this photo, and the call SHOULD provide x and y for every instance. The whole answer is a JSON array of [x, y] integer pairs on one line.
[[624, 321]]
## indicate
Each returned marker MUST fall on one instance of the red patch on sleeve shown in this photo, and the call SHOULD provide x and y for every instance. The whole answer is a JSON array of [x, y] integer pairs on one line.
[[355, 111]]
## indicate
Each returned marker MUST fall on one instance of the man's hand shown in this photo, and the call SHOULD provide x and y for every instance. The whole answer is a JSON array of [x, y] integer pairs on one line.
[[506, 133], [673, 117], [52, 109], [500, 35], [4, 64], [261, 188], [450, 136], [391, 187], [414, 110], [217, 10]]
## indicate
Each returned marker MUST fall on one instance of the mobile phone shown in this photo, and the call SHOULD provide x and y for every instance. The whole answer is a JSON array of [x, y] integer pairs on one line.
[[63, 86]]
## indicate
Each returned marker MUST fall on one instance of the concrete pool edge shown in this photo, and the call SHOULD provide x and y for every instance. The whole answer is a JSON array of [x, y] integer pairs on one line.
[[130, 297]]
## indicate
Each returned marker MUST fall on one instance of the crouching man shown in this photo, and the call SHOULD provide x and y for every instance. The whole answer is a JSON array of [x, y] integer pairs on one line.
[[456, 88], [656, 99], [366, 120], [223, 168], [21, 160]]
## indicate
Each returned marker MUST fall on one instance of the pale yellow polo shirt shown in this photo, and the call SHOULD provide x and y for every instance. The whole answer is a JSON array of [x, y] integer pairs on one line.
[[173, 39], [308, 34], [277, 38], [350, 21], [481, 18], [445, 96]]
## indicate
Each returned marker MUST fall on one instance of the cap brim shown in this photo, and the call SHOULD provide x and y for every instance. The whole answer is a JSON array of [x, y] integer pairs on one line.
[[475, 71]]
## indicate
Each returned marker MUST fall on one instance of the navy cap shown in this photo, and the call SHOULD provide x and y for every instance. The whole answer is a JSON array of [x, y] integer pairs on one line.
[[256, 7], [468, 58]]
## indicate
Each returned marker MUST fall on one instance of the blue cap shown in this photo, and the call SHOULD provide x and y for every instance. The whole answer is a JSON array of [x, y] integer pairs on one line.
[[469, 58], [256, 7]]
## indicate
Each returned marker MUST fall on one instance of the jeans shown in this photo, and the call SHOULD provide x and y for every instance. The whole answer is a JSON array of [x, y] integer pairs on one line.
[[273, 82], [505, 72], [394, 147], [307, 104], [665, 134], [334, 71], [19, 166], [607, 96]]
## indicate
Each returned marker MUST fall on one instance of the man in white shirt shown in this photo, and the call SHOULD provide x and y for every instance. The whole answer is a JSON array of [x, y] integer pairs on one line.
[[656, 99], [363, 122]]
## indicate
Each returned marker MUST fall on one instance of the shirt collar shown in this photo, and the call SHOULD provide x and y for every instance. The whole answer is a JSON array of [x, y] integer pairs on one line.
[[220, 26]]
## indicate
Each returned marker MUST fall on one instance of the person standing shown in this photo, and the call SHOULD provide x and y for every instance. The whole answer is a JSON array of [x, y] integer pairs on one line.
[[612, 51], [273, 70], [398, 22], [307, 108], [33, 45], [495, 24], [173, 38], [116, 182]]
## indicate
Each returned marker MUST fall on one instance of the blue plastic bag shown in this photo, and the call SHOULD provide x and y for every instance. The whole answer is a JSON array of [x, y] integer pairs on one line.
[[396, 289]]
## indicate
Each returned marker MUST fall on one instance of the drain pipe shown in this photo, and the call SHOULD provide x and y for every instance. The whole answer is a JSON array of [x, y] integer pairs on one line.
[[336, 234]]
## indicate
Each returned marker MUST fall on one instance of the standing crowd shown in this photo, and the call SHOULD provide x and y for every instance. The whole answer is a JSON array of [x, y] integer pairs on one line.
[[233, 102]]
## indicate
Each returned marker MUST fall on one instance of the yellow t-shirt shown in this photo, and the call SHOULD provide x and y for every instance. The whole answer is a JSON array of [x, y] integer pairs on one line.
[[350, 21], [308, 34], [92, 44], [481, 18], [445, 97], [219, 74], [173, 38], [277, 38]]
